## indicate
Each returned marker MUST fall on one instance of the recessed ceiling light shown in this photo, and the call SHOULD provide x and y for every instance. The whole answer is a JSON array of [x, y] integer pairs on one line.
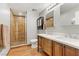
[[20, 13]]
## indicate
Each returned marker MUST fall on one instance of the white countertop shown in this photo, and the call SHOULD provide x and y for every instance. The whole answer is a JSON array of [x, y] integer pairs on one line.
[[67, 41]]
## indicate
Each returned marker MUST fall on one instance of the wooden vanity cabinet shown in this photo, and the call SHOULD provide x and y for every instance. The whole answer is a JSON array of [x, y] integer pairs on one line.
[[39, 43], [77, 52], [47, 46], [58, 49], [69, 51], [53, 48]]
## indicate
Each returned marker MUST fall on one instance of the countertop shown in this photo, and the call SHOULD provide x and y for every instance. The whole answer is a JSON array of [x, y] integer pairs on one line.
[[63, 40]]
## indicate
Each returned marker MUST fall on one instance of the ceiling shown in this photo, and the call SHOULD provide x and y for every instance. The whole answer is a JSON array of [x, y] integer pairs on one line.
[[21, 8], [68, 6]]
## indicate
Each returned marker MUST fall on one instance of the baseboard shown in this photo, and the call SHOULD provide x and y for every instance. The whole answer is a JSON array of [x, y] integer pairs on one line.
[[20, 45]]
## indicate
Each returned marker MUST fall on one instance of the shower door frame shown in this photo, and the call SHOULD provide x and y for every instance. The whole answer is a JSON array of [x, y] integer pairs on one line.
[[16, 33]]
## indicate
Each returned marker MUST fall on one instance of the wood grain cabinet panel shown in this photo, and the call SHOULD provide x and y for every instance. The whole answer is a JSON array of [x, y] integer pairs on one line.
[[58, 49], [47, 46], [69, 51], [77, 52], [53, 48], [40, 41]]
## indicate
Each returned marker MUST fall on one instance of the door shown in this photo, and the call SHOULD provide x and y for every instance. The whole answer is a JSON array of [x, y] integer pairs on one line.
[[17, 28], [20, 31]]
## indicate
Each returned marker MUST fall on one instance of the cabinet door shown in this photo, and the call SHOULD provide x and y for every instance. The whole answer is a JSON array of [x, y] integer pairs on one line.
[[40, 42], [58, 49], [47, 46], [77, 52], [69, 51]]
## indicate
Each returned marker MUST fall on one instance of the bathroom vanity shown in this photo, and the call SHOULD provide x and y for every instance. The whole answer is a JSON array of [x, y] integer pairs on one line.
[[58, 46], [68, 23]]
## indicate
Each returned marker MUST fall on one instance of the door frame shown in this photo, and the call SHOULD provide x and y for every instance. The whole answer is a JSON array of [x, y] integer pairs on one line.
[[25, 29]]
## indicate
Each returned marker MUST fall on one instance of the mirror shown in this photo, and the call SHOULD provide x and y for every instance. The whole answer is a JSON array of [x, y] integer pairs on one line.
[[49, 20], [40, 23], [69, 13]]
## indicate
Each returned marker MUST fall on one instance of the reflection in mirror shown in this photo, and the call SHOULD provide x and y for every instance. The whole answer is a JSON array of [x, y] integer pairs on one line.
[[40, 23], [1, 37], [69, 13], [49, 20]]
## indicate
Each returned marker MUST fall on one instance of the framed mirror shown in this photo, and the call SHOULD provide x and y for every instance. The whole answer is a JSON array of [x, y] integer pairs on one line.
[[40, 23], [69, 13], [49, 21]]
